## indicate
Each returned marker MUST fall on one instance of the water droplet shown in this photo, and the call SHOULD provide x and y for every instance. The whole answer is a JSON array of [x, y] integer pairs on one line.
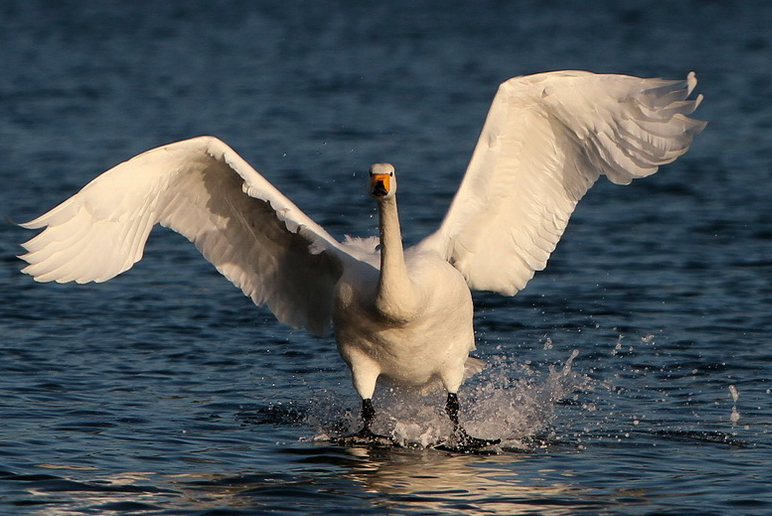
[[734, 392], [734, 416]]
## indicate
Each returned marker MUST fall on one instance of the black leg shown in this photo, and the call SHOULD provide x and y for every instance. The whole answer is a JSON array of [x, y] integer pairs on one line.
[[462, 441], [365, 435], [451, 407], [368, 415]]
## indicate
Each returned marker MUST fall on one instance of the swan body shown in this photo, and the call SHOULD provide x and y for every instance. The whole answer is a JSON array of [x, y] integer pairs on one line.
[[407, 345], [400, 314]]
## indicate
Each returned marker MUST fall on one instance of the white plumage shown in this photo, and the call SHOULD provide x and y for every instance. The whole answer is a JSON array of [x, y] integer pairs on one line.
[[401, 314]]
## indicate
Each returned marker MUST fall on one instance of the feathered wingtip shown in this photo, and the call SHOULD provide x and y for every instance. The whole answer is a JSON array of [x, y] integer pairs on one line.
[[673, 96], [655, 129], [668, 97], [691, 83]]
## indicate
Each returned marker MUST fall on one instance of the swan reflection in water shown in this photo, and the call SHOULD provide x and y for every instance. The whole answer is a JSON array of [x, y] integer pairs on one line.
[[353, 480], [472, 484]]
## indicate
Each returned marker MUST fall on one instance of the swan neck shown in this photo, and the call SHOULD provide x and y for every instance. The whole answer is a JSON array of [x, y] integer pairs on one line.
[[395, 297]]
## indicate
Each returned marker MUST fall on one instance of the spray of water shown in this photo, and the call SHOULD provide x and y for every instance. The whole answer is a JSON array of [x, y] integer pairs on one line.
[[510, 401]]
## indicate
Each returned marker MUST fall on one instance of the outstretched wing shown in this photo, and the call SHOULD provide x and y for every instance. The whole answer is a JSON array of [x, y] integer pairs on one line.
[[251, 232], [546, 140]]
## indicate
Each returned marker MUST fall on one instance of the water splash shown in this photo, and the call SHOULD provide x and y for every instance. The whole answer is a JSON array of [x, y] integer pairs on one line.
[[517, 403], [510, 401]]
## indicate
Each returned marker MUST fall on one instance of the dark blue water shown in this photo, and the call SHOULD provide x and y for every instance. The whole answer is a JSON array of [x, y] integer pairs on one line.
[[166, 392]]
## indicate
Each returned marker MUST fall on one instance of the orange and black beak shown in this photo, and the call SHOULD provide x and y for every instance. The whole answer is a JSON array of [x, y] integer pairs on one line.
[[380, 185]]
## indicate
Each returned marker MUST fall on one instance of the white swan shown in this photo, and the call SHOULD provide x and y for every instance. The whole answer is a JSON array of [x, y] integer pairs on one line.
[[401, 314]]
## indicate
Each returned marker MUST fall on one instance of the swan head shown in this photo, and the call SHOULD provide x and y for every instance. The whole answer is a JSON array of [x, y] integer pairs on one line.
[[383, 181]]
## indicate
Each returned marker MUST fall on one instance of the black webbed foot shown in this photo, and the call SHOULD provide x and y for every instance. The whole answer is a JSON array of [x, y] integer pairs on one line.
[[461, 441], [366, 436]]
